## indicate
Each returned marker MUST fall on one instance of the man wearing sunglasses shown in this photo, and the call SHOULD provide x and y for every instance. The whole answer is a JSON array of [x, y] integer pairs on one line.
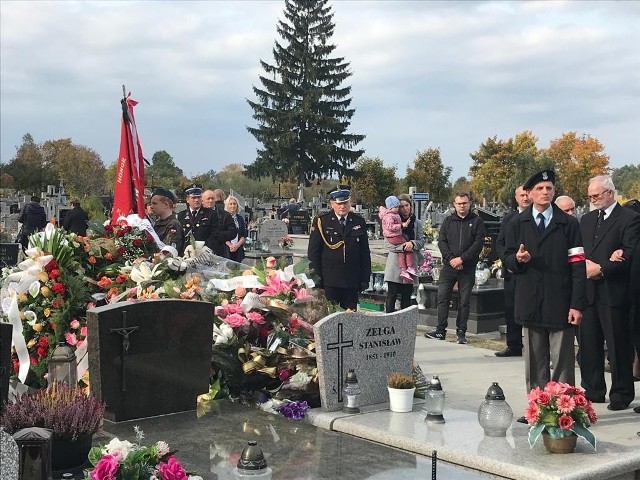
[[605, 229]]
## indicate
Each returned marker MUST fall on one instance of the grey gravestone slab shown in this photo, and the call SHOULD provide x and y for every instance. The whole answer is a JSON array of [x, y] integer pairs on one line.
[[272, 231], [373, 345], [6, 330], [9, 254], [150, 358], [9, 457]]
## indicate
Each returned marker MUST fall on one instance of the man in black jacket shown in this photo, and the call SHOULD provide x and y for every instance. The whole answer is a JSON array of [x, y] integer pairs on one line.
[[460, 242], [75, 221], [33, 219]]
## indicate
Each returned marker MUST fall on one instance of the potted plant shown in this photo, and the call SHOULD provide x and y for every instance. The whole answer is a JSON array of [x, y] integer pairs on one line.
[[561, 413], [401, 388], [68, 412]]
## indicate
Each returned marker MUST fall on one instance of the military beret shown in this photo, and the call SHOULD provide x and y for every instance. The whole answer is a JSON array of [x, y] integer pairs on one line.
[[193, 190], [164, 192], [542, 176]]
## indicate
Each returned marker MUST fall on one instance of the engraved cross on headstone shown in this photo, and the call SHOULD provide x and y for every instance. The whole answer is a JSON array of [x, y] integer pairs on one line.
[[125, 332], [340, 345]]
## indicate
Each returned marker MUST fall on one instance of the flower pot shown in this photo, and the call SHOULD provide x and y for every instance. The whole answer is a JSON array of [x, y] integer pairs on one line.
[[70, 454], [559, 445], [401, 399]]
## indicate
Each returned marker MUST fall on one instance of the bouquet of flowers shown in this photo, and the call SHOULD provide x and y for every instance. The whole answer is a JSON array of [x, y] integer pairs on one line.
[[285, 243], [560, 410], [122, 459], [429, 231]]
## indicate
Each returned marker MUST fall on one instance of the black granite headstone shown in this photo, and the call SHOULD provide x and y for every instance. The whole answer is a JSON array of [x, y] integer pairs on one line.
[[6, 330], [150, 358], [9, 254], [299, 222]]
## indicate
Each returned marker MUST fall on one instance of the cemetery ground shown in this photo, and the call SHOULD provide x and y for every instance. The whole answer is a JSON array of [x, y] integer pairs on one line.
[[379, 444]]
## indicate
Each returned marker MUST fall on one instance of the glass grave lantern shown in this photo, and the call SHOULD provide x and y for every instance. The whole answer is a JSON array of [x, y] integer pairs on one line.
[[351, 392], [63, 365], [495, 414], [434, 401], [252, 464]]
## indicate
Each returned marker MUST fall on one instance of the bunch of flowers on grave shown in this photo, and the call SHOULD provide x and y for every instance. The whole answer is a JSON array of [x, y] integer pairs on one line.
[[45, 297], [130, 240], [426, 267], [263, 331], [429, 231], [559, 410], [285, 242], [122, 459]]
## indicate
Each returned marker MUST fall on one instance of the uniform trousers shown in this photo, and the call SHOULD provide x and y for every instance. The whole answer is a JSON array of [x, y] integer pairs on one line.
[[514, 330], [542, 345], [347, 298]]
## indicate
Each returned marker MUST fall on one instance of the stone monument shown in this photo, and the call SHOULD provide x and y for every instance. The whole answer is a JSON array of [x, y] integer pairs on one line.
[[271, 231]]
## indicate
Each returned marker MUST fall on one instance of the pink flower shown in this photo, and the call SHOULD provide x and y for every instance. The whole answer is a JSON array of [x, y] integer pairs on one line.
[[270, 262], [74, 323], [275, 286], [555, 388], [256, 317], [172, 470], [531, 413], [221, 311], [80, 343], [71, 338], [90, 305], [533, 395], [106, 468], [83, 331], [565, 422], [591, 413], [235, 320], [565, 404], [301, 295], [544, 398], [240, 291], [580, 401]]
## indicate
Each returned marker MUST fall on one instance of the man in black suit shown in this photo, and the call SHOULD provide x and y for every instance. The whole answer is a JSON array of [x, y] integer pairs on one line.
[[339, 251], [514, 330], [206, 224], [607, 228], [75, 221]]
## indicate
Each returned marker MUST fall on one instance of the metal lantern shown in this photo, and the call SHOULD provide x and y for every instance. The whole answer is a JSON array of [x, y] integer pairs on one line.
[[252, 464], [351, 392], [495, 414], [34, 445], [434, 401], [63, 365]]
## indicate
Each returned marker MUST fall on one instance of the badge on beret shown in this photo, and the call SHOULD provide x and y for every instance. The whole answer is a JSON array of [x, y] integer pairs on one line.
[[545, 175]]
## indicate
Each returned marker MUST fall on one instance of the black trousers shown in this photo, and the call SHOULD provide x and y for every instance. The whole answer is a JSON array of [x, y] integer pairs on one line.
[[448, 278], [405, 290], [514, 330], [599, 323], [347, 298]]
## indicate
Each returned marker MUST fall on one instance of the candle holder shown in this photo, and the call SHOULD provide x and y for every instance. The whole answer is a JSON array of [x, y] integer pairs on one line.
[[351, 392]]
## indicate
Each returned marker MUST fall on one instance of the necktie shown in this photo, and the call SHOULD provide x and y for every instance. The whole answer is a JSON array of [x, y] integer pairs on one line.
[[598, 223], [541, 223], [343, 223]]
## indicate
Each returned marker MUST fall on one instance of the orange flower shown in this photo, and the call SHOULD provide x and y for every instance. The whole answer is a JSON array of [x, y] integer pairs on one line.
[[45, 291], [108, 256], [86, 247], [92, 259], [113, 291], [47, 312], [247, 272], [104, 282]]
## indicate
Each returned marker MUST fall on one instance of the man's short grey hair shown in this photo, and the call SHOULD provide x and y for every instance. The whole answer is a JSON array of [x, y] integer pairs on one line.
[[565, 197], [605, 181]]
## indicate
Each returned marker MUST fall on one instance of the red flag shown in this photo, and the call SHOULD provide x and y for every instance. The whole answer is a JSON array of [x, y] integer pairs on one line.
[[128, 195]]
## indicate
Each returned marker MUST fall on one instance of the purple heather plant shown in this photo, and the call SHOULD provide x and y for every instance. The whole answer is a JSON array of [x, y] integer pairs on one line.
[[67, 411]]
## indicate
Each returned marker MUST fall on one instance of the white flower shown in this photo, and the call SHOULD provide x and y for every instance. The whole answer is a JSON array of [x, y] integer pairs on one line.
[[299, 381], [119, 449], [143, 273], [34, 289], [223, 334], [30, 316], [162, 448]]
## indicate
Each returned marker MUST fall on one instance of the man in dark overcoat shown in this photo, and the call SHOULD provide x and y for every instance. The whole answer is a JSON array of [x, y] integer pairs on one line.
[[33, 219], [605, 229], [76, 219], [544, 251], [514, 330], [339, 251], [209, 225]]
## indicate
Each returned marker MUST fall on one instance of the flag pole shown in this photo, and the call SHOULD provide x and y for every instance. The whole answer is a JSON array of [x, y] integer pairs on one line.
[[124, 92]]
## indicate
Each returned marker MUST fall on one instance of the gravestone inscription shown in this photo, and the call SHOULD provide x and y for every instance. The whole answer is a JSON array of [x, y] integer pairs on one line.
[[298, 222], [373, 345], [9, 254], [271, 231], [149, 358]]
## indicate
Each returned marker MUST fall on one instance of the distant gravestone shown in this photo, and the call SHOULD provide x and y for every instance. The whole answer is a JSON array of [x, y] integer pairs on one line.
[[9, 254], [373, 345], [272, 231], [150, 358], [298, 222], [9, 457]]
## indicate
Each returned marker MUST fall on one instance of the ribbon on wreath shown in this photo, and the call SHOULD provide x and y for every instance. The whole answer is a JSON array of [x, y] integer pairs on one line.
[[254, 361]]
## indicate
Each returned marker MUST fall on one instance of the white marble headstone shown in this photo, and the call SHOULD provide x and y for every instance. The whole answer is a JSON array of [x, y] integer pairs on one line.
[[272, 231], [373, 345]]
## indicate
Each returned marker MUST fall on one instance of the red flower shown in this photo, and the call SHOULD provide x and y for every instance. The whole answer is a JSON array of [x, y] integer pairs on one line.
[[137, 242], [126, 229], [16, 365], [148, 237], [42, 351], [121, 278], [172, 470], [43, 342], [52, 265], [53, 274], [108, 228], [55, 304], [33, 360], [565, 422], [121, 251], [58, 288]]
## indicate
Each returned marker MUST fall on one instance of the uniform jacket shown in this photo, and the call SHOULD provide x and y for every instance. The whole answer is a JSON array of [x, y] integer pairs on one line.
[[170, 232], [548, 285], [501, 247], [341, 260], [75, 221], [461, 237], [212, 226], [32, 218], [620, 230], [392, 268]]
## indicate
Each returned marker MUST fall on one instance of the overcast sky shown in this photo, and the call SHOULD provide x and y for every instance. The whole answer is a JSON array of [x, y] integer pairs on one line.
[[426, 74]]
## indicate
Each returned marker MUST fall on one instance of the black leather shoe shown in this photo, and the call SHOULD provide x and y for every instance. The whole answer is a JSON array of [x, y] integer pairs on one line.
[[595, 399], [509, 352], [617, 406], [522, 420]]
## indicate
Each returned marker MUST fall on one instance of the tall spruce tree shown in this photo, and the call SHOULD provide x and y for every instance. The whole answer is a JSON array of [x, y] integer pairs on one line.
[[303, 110]]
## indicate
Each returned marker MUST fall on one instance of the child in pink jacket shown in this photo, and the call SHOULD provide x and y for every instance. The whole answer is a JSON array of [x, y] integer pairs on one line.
[[392, 231]]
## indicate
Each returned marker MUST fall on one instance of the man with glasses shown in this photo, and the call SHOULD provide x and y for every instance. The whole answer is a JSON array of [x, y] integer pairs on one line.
[[566, 204], [460, 241], [605, 229]]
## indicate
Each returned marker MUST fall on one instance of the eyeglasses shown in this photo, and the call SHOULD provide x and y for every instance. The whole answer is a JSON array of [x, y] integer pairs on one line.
[[598, 195]]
